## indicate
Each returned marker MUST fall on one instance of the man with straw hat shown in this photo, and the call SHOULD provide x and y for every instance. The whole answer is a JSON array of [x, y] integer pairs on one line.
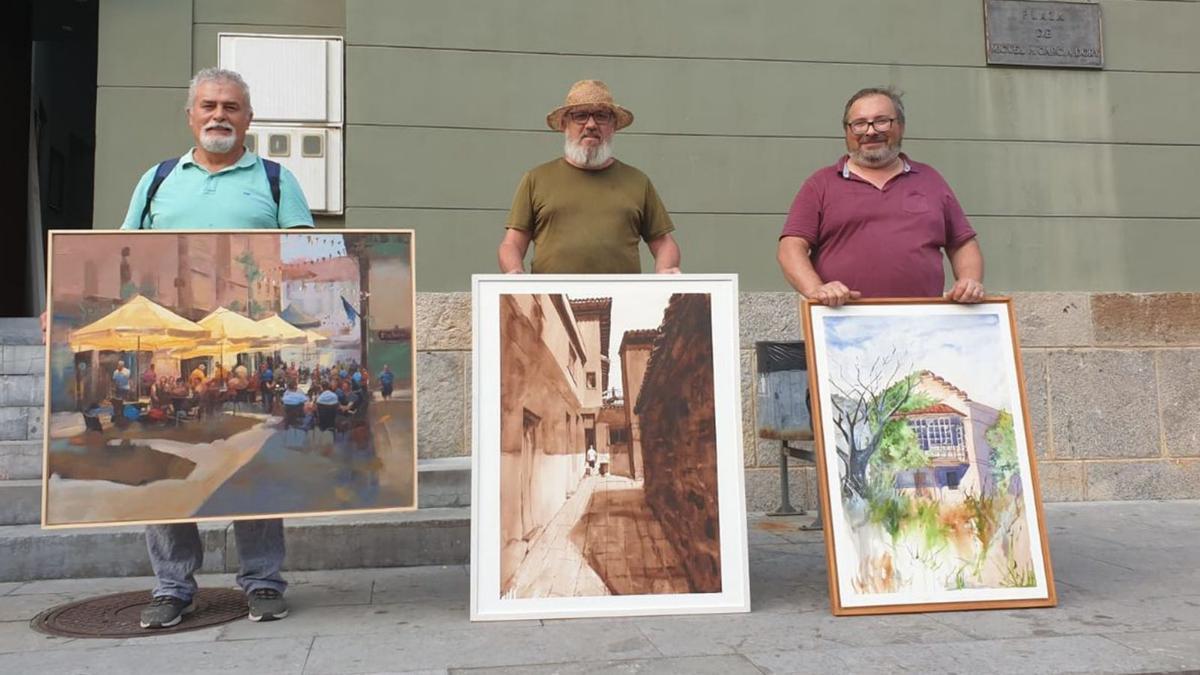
[[586, 211]]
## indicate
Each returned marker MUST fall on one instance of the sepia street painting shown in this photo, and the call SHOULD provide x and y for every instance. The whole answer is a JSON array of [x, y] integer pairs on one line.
[[608, 462], [930, 475], [228, 375]]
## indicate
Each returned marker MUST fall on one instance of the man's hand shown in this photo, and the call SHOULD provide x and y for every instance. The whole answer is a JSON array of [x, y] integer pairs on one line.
[[966, 290], [967, 263], [832, 294], [669, 270]]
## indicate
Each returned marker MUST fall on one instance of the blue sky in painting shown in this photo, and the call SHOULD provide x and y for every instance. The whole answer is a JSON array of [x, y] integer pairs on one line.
[[301, 247], [964, 349]]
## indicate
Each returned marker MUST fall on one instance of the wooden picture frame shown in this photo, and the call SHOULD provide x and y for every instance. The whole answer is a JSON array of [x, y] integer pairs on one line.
[[556, 535], [207, 446], [926, 467]]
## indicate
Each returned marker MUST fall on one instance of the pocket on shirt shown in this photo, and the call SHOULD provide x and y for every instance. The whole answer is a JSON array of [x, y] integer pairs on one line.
[[915, 202]]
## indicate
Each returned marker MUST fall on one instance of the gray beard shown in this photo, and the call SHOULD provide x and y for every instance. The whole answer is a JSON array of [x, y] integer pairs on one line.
[[218, 144], [876, 159], [587, 158]]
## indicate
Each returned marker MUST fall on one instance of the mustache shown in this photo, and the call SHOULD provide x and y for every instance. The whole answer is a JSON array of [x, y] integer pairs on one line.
[[218, 125]]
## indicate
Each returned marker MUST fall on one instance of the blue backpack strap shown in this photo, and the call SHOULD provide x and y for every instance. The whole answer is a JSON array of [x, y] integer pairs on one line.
[[273, 169], [161, 172]]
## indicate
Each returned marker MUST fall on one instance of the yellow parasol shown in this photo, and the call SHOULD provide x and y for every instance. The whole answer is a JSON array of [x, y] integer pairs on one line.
[[230, 332], [139, 324], [281, 333]]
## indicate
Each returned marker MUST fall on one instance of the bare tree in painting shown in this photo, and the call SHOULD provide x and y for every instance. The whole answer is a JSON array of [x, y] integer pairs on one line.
[[863, 402]]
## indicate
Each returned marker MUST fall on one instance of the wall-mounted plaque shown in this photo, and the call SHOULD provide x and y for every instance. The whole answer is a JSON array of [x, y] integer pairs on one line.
[[1051, 34]]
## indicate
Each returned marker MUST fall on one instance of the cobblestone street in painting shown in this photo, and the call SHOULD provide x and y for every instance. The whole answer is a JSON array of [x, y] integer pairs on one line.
[[604, 540]]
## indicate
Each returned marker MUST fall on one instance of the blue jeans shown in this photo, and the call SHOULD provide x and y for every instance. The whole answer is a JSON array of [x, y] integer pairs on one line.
[[176, 552]]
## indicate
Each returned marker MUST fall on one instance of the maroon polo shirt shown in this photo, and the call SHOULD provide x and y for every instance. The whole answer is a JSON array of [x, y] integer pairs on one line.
[[882, 243]]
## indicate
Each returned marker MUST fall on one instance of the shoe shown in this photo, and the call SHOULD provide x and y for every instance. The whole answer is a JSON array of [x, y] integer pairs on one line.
[[166, 611], [266, 604]]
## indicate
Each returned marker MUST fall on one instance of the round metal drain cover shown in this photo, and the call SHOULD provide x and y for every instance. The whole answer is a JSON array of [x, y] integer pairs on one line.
[[118, 615]]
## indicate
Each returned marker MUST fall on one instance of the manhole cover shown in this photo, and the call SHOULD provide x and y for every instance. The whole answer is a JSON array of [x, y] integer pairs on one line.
[[118, 615]]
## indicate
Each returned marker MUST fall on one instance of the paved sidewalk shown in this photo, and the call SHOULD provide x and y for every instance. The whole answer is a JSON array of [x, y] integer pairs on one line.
[[1128, 583]]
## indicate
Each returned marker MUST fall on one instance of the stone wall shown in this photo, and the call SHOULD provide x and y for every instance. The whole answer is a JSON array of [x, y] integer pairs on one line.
[[679, 440], [22, 388], [1113, 382]]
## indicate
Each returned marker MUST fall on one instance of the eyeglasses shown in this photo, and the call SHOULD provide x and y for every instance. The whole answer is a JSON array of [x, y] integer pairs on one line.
[[601, 116], [861, 126]]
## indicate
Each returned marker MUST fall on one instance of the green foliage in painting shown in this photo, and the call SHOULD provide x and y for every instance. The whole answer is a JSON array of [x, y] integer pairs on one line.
[[1003, 440], [898, 447], [890, 512], [926, 519], [250, 266], [1016, 576]]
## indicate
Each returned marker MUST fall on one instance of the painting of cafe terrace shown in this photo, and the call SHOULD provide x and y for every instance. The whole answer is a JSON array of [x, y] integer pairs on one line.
[[229, 375]]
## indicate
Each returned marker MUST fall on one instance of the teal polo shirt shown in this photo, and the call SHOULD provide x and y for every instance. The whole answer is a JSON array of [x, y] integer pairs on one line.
[[237, 197]]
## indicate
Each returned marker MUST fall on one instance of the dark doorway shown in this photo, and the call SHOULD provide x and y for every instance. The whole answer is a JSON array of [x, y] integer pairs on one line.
[[50, 51]]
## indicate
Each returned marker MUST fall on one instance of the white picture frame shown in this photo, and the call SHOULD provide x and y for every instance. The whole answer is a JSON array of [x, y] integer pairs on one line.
[[593, 584]]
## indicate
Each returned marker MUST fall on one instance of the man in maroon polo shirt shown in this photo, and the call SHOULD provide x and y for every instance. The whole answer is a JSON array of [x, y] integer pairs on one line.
[[875, 223]]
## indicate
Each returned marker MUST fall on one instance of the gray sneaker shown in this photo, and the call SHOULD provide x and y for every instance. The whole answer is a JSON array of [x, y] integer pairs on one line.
[[266, 604], [166, 611]]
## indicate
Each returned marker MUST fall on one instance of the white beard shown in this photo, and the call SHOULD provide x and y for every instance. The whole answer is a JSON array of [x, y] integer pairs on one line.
[[217, 144], [587, 158]]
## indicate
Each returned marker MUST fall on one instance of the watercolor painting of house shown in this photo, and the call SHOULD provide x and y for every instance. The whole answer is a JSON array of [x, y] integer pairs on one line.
[[926, 464]]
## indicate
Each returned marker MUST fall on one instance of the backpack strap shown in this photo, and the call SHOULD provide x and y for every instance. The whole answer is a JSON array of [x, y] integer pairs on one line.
[[160, 174], [273, 169]]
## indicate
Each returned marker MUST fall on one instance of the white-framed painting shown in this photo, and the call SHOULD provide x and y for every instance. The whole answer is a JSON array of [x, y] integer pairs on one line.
[[926, 464], [607, 465]]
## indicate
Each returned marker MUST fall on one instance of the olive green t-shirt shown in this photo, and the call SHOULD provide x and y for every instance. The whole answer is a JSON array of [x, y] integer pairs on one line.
[[587, 222]]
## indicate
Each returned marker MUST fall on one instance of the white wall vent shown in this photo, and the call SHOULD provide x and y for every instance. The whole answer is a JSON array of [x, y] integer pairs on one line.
[[296, 88]]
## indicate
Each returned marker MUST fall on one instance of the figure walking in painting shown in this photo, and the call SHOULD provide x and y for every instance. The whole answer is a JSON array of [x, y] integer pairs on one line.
[[591, 461], [876, 222], [206, 188], [387, 380], [120, 380], [586, 211], [266, 382]]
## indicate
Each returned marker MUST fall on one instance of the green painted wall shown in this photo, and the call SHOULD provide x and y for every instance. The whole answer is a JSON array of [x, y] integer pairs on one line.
[[1076, 180], [149, 50]]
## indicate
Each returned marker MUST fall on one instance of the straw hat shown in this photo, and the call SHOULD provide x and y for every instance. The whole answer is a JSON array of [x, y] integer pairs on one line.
[[588, 93]]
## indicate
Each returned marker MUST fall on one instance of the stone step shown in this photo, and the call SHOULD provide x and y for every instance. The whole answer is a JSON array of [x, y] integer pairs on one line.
[[20, 502], [442, 483], [424, 537]]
